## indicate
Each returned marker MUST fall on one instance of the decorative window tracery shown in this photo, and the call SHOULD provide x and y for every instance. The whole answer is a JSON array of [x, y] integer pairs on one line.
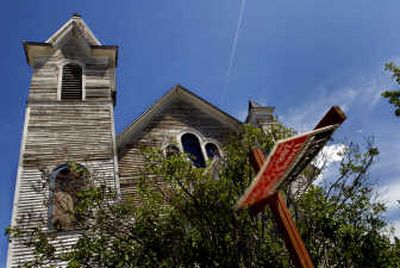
[[200, 149]]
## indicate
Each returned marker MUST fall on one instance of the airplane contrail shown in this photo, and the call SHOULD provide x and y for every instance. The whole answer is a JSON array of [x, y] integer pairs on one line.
[[233, 51]]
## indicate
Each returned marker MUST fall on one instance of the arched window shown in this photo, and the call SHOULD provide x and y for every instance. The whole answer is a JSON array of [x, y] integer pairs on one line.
[[171, 150], [65, 183], [71, 84], [191, 146], [212, 151]]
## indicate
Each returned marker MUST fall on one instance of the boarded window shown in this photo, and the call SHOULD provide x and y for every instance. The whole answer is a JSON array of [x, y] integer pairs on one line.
[[191, 146], [71, 84], [212, 151], [66, 182]]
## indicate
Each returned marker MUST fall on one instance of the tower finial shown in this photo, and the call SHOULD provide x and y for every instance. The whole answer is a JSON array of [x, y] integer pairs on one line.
[[76, 15]]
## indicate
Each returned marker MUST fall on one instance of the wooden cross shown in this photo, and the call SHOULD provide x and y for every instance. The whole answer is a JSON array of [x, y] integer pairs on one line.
[[293, 241]]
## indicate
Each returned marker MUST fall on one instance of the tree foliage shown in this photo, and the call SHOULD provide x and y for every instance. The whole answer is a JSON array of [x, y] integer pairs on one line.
[[393, 96], [185, 217], [341, 222]]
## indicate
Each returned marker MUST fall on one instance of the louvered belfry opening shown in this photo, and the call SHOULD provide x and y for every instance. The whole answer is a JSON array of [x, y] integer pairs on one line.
[[71, 87]]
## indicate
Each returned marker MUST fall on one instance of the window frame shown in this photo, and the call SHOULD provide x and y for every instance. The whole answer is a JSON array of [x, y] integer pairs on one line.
[[164, 148], [60, 67], [216, 146], [196, 163], [203, 142], [52, 186]]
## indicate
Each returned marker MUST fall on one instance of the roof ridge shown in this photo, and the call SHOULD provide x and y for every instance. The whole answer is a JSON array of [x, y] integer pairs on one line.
[[178, 90], [75, 21]]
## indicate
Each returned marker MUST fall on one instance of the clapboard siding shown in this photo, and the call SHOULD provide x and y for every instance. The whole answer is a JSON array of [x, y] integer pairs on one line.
[[64, 131], [32, 202], [177, 118], [98, 78], [61, 241], [57, 131]]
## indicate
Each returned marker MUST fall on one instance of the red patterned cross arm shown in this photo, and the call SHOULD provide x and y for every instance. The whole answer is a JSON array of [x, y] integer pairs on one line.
[[285, 162]]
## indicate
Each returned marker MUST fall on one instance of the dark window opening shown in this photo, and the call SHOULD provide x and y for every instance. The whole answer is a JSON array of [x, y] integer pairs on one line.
[[191, 146], [71, 84], [171, 150], [66, 182], [212, 151]]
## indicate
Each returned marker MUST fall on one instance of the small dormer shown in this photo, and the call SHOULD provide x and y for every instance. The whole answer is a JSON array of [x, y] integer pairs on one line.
[[72, 65]]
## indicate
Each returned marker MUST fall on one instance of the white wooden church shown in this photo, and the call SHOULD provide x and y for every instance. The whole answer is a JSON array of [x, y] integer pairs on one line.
[[70, 117]]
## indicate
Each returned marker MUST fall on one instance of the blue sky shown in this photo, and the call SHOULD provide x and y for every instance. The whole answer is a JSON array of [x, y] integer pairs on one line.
[[299, 56]]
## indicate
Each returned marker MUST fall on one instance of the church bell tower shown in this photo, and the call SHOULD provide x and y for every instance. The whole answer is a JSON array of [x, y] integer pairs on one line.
[[69, 117]]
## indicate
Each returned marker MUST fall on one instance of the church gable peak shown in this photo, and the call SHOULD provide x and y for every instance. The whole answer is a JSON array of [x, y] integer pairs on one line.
[[75, 26], [189, 102]]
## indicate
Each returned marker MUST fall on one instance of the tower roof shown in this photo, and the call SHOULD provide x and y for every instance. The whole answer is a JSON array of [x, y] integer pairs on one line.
[[77, 24], [74, 29]]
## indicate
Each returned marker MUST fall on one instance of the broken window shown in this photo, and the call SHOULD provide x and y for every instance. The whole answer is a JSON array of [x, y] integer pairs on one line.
[[65, 183]]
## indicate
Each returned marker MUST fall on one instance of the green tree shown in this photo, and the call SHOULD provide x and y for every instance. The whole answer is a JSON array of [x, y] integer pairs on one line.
[[393, 96], [341, 222], [185, 217]]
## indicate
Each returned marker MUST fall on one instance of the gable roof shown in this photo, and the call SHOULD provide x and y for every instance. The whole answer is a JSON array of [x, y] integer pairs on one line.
[[176, 93], [74, 23]]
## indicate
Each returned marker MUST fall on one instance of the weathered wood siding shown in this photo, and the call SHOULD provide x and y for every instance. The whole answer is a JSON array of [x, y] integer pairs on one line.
[[59, 131], [99, 78], [68, 130], [178, 118], [32, 210]]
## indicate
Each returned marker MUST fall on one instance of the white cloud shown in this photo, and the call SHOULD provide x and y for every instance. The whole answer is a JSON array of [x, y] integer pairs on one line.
[[333, 152], [329, 154], [361, 93], [326, 160], [393, 229], [387, 170], [389, 194], [306, 116]]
